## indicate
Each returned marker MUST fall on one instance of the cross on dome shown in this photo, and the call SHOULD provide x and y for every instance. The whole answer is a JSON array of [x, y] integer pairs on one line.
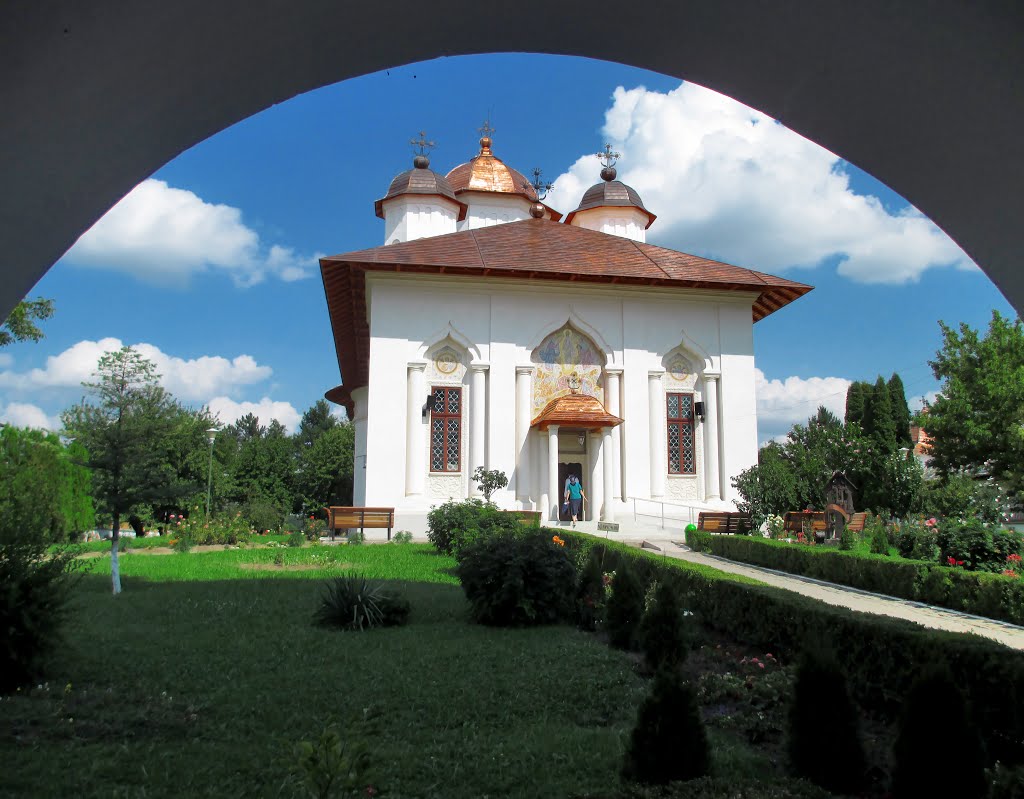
[[540, 186]]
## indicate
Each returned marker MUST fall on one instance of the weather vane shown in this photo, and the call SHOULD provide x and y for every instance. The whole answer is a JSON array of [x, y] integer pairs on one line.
[[424, 146], [541, 187], [608, 157]]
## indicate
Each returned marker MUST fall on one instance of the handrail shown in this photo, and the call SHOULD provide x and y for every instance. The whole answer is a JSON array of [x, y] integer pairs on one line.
[[688, 519]]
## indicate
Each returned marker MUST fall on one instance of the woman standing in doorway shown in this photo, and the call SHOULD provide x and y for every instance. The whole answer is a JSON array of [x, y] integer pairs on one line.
[[575, 496]]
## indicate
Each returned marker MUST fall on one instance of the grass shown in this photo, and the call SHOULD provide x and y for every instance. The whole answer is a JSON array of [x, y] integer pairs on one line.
[[199, 677]]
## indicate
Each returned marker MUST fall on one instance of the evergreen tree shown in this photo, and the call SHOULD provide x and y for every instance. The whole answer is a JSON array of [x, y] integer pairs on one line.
[[883, 428], [822, 712], [935, 710], [324, 469], [900, 411], [625, 608], [669, 742], [662, 633], [316, 421], [855, 403]]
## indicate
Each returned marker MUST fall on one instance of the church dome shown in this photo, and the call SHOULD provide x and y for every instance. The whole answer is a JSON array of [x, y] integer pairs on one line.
[[611, 193], [420, 180], [487, 172]]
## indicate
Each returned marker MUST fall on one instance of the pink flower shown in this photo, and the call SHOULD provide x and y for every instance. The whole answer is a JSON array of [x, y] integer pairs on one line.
[[760, 664], [930, 522]]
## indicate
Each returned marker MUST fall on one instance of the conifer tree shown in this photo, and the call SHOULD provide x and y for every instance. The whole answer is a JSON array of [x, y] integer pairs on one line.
[[900, 410], [855, 403], [662, 634], [883, 427], [625, 608]]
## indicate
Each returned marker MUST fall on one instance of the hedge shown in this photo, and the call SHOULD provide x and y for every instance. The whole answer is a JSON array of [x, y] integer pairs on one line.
[[882, 655], [994, 596]]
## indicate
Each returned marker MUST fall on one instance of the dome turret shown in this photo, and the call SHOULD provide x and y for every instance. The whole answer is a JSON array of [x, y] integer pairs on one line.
[[421, 179], [611, 206]]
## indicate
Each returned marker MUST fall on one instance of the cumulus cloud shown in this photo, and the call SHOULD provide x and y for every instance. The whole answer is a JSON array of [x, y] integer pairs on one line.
[[24, 414], [195, 379], [165, 235], [731, 183], [783, 403], [228, 411]]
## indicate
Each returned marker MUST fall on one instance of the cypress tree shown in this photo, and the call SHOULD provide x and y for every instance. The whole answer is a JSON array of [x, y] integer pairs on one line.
[[625, 608], [900, 410], [855, 403], [883, 426], [662, 633]]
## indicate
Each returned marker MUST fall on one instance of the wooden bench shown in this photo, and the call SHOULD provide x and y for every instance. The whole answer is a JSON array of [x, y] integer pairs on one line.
[[340, 518], [724, 522], [796, 520], [527, 518], [856, 523]]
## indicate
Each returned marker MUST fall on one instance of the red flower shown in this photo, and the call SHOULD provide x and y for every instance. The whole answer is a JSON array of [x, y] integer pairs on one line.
[[1010, 573], [1013, 558]]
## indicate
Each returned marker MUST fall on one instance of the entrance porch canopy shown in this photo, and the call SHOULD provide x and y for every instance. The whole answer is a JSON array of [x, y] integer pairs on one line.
[[575, 410]]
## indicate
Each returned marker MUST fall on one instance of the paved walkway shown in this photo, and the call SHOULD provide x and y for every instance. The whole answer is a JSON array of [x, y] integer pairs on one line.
[[852, 598]]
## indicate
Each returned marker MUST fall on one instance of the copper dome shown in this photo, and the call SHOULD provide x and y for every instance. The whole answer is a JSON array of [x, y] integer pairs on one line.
[[420, 180], [611, 193], [487, 172]]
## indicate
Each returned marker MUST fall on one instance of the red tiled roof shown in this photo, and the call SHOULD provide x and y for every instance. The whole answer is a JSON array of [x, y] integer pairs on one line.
[[575, 410], [530, 249]]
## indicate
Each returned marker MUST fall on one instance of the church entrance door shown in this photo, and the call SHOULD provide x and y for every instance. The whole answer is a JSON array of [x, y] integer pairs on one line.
[[564, 470]]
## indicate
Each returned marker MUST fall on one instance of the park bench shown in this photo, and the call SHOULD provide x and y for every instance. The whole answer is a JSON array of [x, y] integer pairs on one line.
[[856, 523], [800, 521], [342, 518], [724, 522]]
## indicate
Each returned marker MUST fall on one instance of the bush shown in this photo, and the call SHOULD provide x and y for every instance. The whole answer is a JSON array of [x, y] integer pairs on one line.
[[663, 633], [824, 732], [34, 591], [625, 609], [916, 542], [512, 579], [355, 603], [453, 526], [296, 539], [878, 536], [935, 711], [669, 741], [590, 594], [262, 515]]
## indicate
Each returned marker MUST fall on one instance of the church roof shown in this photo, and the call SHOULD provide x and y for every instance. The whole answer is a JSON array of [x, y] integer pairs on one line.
[[420, 180], [611, 193], [535, 249], [486, 172], [575, 410]]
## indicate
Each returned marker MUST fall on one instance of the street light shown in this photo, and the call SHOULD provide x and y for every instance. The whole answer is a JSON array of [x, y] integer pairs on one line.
[[210, 434]]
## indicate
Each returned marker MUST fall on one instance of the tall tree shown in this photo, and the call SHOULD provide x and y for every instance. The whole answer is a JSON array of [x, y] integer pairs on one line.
[[976, 423], [324, 474], [315, 422], [883, 427], [855, 403], [900, 410], [20, 324], [124, 429]]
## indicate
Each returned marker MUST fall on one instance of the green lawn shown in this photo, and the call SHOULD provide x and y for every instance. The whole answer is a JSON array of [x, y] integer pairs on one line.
[[195, 681]]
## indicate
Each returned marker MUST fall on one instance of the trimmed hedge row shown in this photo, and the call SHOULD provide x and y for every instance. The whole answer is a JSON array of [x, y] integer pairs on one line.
[[982, 593], [882, 656]]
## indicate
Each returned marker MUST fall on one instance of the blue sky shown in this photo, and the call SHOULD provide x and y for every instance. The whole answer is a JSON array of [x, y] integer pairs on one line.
[[211, 263]]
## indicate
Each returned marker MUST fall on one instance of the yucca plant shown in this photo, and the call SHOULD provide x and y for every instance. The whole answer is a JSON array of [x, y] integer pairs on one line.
[[356, 603]]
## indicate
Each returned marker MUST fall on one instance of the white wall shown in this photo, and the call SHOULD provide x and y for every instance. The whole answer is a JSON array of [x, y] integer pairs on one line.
[[417, 216], [500, 322], [630, 223], [490, 208]]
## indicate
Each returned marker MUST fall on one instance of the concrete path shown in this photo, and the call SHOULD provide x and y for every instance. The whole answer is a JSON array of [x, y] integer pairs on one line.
[[852, 598]]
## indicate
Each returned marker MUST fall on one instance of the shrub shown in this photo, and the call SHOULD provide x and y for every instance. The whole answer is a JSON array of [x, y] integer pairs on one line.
[[402, 537], [878, 536], [935, 710], [847, 539], [625, 609], [355, 603], [296, 538], [663, 634], [698, 540], [513, 579], [455, 525], [263, 515], [331, 764], [916, 542], [977, 547], [36, 587], [590, 593], [824, 732], [669, 741], [490, 480]]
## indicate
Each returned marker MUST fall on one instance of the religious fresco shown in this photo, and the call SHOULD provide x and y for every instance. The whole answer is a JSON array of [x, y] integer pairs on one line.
[[563, 359], [680, 374]]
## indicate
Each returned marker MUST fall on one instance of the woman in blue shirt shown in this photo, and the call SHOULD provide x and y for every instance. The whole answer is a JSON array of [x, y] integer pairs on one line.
[[575, 496]]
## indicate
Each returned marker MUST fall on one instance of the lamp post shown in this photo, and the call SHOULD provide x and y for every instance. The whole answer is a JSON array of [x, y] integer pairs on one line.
[[210, 434]]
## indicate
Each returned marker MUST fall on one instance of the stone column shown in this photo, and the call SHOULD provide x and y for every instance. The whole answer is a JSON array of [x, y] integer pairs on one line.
[[359, 399], [544, 479], [656, 414], [712, 479], [595, 490], [524, 415], [612, 396], [608, 459], [478, 422], [416, 395], [554, 489]]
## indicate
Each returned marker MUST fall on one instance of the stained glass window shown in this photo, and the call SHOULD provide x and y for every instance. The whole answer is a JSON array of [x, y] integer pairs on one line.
[[682, 458], [445, 429]]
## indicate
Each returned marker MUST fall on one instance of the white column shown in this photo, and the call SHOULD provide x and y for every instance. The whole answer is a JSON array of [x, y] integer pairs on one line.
[[608, 458], [595, 480], [416, 395], [524, 410], [612, 394], [359, 397], [478, 422], [656, 414], [712, 479], [544, 479], [554, 489]]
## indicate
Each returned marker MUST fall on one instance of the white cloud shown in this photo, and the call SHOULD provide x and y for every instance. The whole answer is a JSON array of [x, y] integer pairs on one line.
[[23, 414], [731, 183], [783, 403], [228, 411], [196, 379], [165, 235], [6, 359], [917, 403]]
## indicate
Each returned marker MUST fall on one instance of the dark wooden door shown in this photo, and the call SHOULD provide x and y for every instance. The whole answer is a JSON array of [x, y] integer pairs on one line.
[[564, 470]]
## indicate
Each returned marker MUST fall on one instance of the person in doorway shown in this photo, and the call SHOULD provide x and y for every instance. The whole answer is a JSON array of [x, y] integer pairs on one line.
[[575, 496]]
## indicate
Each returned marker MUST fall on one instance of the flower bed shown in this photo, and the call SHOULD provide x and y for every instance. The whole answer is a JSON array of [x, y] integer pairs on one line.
[[882, 656], [995, 596]]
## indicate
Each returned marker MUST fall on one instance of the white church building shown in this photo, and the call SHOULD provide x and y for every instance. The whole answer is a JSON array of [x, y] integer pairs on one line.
[[489, 331]]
